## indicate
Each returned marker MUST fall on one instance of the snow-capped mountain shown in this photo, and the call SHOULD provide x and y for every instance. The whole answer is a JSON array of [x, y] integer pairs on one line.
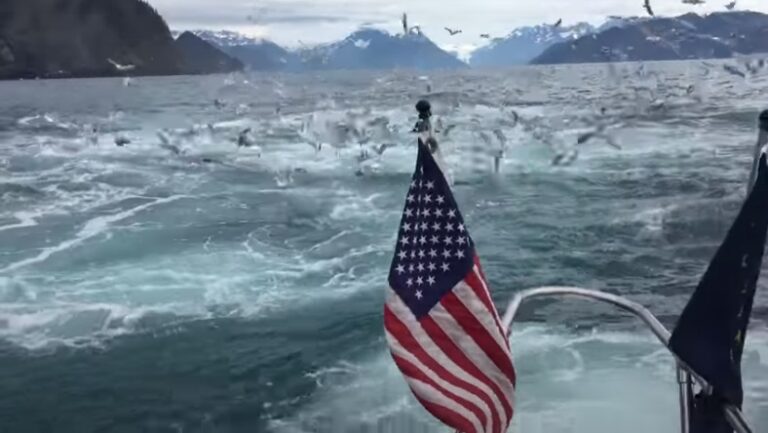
[[717, 35], [225, 38], [256, 54], [377, 49], [525, 43]]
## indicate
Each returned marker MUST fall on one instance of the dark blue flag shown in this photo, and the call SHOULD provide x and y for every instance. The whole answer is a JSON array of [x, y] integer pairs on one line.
[[709, 337]]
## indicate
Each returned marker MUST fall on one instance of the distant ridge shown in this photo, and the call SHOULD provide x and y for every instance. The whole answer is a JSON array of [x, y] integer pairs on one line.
[[377, 49], [201, 57], [525, 43], [255, 54], [689, 36]]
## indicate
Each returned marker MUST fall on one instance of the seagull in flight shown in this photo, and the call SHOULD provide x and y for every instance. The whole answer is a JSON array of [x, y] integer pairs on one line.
[[121, 68], [694, 2], [734, 71], [731, 5], [557, 24], [647, 6], [485, 36], [453, 32]]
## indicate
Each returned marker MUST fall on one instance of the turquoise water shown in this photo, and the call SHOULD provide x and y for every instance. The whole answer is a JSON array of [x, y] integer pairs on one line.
[[230, 289]]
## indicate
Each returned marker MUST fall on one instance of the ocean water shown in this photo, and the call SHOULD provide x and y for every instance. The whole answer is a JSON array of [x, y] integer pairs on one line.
[[181, 283]]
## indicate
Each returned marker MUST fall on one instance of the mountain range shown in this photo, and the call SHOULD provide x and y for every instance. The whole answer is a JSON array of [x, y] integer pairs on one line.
[[689, 36], [525, 43], [363, 49], [83, 38]]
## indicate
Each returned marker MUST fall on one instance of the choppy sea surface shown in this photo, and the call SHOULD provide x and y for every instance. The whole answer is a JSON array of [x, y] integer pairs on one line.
[[183, 283]]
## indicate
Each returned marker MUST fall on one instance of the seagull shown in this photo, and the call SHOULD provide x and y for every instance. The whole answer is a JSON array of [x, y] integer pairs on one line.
[[734, 71], [452, 31], [557, 24], [485, 36], [565, 158], [121, 68], [404, 20], [166, 143], [121, 141], [244, 139], [647, 6], [731, 5], [694, 2]]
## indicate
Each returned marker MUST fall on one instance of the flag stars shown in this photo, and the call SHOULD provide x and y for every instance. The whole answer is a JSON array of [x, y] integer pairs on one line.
[[421, 267], [430, 184], [427, 198], [448, 240], [440, 199], [459, 254], [400, 269], [406, 227], [404, 241], [438, 213], [426, 213], [432, 267], [408, 212], [435, 239], [413, 183], [421, 256], [461, 240], [411, 268], [461, 228], [402, 254], [419, 281], [409, 282], [419, 295], [433, 254], [430, 280], [436, 226], [423, 240], [449, 227], [447, 254], [410, 198], [413, 254], [424, 226], [444, 267]]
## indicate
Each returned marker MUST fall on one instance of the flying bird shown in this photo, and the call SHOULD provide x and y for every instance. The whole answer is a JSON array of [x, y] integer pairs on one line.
[[734, 71], [557, 24], [694, 2], [404, 20], [121, 68], [453, 32], [647, 6], [730, 5], [485, 36]]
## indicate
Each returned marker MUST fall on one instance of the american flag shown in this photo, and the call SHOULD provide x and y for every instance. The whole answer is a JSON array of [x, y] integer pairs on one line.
[[443, 330]]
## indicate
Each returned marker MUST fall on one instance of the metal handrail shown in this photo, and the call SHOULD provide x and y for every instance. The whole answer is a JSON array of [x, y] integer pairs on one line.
[[733, 414]]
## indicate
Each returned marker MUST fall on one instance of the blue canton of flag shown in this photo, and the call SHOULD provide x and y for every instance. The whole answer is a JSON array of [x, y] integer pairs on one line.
[[434, 251]]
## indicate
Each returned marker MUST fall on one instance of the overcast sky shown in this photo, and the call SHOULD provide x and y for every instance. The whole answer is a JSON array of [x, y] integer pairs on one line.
[[291, 22]]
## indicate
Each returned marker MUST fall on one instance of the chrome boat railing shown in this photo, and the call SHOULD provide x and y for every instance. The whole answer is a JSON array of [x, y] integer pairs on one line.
[[684, 373]]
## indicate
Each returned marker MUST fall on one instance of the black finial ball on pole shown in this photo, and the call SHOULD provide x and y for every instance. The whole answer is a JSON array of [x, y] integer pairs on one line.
[[424, 108]]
